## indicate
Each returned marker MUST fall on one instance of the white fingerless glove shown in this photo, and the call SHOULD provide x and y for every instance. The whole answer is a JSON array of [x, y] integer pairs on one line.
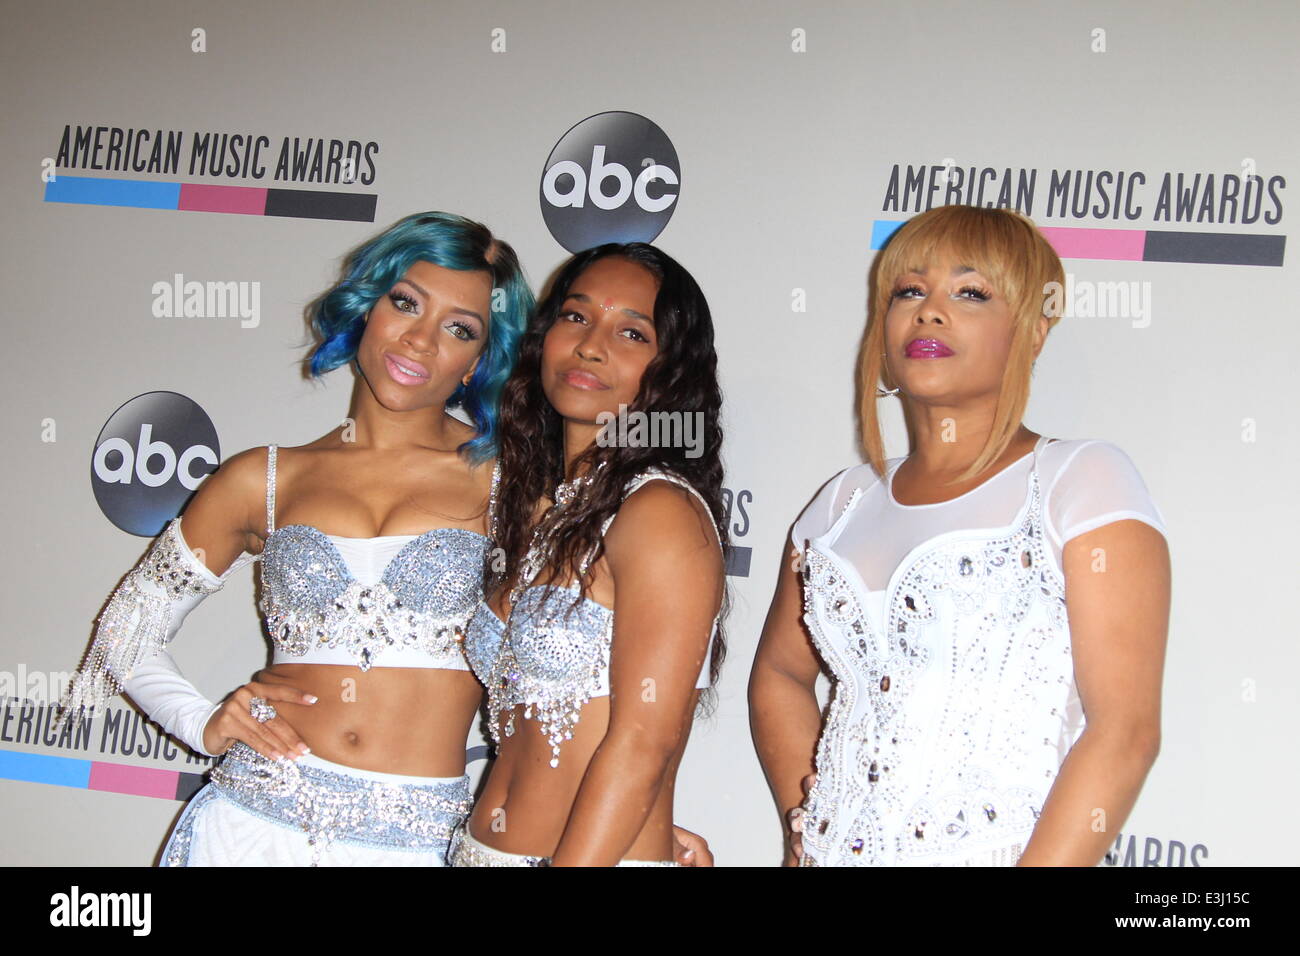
[[162, 691], [128, 652]]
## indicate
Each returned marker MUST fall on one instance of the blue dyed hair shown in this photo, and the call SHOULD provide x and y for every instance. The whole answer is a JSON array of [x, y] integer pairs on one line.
[[453, 242]]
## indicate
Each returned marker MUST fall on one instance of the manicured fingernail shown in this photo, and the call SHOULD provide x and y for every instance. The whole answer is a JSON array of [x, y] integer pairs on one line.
[[275, 754], [310, 698], [688, 854]]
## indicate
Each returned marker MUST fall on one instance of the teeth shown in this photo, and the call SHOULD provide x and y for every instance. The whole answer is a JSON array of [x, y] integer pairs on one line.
[[408, 371]]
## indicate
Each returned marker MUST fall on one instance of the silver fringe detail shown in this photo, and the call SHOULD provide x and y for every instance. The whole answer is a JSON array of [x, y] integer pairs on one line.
[[134, 625]]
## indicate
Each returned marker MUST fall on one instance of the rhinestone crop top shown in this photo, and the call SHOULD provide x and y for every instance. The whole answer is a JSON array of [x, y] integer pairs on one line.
[[390, 601], [549, 656]]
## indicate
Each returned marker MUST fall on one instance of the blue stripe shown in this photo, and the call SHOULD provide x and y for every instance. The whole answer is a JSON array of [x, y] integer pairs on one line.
[[43, 768], [882, 229], [113, 192]]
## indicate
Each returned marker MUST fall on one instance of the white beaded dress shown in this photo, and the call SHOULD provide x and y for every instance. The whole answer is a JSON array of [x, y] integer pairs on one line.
[[946, 635]]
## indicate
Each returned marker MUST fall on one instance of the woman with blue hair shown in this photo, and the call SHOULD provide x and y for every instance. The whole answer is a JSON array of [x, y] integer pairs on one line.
[[350, 748]]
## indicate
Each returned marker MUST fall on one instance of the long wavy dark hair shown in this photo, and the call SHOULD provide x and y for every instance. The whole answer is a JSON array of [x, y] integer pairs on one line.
[[682, 377]]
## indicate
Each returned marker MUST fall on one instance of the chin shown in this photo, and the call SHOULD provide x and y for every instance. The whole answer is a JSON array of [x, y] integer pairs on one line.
[[583, 412], [576, 404]]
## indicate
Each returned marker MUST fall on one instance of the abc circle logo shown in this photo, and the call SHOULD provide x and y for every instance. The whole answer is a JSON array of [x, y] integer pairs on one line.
[[612, 178], [150, 456]]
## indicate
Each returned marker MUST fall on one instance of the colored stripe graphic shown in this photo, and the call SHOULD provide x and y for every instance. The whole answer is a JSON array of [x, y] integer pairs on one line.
[[1145, 245], [98, 775], [233, 199], [202, 197]]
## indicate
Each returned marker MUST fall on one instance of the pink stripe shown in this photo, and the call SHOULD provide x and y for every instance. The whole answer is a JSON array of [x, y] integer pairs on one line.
[[140, 781], [1096, 243], [249, 200]]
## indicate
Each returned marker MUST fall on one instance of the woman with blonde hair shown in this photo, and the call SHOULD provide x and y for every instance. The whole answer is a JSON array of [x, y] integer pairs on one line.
[[971, 601]]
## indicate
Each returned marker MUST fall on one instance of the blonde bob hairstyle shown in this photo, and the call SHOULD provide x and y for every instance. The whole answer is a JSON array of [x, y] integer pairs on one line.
[[1008, 250]]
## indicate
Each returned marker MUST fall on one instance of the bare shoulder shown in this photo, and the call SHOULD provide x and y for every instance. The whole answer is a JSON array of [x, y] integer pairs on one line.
[[233, 494], [244, 473], [662, 511]]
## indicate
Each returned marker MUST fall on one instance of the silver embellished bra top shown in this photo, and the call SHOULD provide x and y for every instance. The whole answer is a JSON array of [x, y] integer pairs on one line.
[[550, 655], [412, 614]]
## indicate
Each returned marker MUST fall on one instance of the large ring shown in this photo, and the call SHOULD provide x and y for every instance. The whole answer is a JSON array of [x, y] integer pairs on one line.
[[261, 710]]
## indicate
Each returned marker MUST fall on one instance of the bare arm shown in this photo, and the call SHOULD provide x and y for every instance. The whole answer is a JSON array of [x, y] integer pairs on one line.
[[783, 712], [226, 517], [228, 512], [661, 544], [1117, 584]]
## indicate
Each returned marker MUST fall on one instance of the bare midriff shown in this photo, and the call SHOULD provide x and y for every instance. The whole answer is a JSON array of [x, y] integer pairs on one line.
[[526, 803], [403, 720]]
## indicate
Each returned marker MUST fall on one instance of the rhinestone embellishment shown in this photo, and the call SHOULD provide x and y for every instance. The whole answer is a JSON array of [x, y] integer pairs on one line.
[[928, 752], [423, 600]]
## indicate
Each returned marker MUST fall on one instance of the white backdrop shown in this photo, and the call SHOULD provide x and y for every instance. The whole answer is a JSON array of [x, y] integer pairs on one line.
[[788, 120]]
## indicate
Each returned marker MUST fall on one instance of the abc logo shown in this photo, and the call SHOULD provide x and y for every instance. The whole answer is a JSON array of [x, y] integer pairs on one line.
[[612, 178], [149, 458]]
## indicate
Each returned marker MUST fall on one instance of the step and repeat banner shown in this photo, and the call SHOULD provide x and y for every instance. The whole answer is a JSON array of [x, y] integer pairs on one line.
[[180, 180]]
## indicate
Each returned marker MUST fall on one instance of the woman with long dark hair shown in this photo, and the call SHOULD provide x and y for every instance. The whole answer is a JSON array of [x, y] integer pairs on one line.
[[350, 748], [972, 601], [600, 625]]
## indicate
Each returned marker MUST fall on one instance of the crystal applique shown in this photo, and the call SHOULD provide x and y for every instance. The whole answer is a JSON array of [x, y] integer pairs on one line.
[[979, 634], [423, 600]]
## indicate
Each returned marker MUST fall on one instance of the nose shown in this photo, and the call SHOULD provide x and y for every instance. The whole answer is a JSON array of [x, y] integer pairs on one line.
[[932, 309], [590, 346], [421, 336]]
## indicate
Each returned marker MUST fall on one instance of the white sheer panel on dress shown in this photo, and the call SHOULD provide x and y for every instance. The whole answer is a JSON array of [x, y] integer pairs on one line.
[[1086, 484]]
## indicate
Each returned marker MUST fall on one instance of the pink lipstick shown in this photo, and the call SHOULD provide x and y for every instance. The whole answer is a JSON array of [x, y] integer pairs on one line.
[[584, 380], [405, 372], [926, 349]]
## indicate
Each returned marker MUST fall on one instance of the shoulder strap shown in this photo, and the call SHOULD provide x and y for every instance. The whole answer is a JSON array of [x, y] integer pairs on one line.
[[1039, 445], [492, 499], [676, 479], [270, 490]]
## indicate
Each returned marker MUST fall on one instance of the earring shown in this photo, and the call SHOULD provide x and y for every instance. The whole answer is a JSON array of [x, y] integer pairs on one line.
[[885, 392]]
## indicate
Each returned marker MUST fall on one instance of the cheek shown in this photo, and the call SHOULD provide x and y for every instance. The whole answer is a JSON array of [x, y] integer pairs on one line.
[[553, 345], [896, 327], [371, 333], [380, 325], [632, 370], [993, 346], [461, 354]]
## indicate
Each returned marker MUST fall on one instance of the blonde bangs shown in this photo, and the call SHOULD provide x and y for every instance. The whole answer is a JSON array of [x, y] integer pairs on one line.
[[1007, 249]]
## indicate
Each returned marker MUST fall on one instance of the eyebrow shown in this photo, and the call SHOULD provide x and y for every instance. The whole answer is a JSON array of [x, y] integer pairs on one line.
[[957, 270], [632, 312], [424, 292]]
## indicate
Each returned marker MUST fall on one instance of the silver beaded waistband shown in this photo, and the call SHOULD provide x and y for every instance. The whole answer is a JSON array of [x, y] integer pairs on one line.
[[330, 806], [467, 851]]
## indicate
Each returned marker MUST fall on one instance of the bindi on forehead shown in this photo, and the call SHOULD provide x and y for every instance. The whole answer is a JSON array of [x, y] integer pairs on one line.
[[608, 304]]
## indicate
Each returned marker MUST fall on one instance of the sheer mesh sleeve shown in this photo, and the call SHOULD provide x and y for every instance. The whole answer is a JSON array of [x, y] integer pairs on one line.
[[1095, 486], [820, 513]]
